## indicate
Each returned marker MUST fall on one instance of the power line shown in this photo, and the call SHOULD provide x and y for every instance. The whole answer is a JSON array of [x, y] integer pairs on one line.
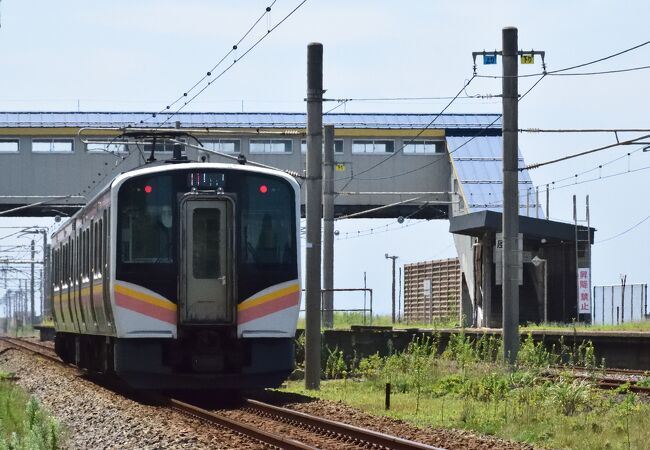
[[588, 63], [235, 61], [584, 130], [622, 233], [602, 72], [551, 184], [208, 74], [393, 99], [598, 167], [590, 180], [601, 59], [586, 152], [411, 140], [479, 133], [345, 101], [371, 231]]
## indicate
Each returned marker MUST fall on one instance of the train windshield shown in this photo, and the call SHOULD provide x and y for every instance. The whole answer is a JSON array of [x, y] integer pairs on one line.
[[146, 220]]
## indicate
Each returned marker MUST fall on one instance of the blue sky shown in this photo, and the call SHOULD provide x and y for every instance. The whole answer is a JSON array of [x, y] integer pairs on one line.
[[126, 55]]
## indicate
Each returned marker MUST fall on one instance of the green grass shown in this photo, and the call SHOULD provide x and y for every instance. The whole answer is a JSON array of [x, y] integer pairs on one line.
[[344, 321], [23, 331], [627, 326], [23, 424], [468, 388]]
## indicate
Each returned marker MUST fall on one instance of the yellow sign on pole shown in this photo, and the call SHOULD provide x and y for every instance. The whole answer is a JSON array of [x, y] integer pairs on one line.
[[339, 167], [528, 59]]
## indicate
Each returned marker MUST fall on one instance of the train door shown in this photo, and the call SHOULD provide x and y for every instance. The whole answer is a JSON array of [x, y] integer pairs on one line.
[[206, 262]]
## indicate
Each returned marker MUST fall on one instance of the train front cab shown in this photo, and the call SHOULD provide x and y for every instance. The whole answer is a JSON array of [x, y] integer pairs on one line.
[[220, 342]]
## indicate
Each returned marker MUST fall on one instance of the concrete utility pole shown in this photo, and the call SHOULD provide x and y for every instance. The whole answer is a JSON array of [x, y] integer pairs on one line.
[[328, 228], [46, 306], [314, 213], [393, 303], [32, 300], [510, 196]]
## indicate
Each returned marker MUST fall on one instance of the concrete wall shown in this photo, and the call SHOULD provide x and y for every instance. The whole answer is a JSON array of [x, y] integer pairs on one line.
[[627, 350]]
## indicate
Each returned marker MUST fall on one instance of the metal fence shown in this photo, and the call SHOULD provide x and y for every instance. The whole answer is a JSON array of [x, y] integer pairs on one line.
[[432, 290], [366, 311], [613, 305]]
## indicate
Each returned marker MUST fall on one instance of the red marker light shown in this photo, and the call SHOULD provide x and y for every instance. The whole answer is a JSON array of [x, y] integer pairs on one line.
[[264, 189], [148, 189]]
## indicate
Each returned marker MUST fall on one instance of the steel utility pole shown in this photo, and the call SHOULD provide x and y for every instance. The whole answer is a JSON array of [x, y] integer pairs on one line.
[[393, 302], [314, 212], [328, 228], [510, 196]]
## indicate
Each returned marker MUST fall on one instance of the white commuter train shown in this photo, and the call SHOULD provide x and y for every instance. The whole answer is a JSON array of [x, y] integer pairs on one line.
[[182, 276]]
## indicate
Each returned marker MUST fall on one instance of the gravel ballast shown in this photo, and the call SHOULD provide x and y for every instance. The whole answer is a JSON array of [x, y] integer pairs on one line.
[[97, 418]]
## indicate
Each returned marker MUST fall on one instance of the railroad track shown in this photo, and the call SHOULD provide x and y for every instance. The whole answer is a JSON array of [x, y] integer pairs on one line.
[[33, 347], [606, 379], [336, 434], [348, 433], [340, 434]]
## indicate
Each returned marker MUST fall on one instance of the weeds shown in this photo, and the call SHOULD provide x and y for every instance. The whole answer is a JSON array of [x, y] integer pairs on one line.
[[335, 367], [23, 424], [467, 386]]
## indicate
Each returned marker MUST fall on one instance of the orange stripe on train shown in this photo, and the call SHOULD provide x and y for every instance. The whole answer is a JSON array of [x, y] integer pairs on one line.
[[270, 306], [146, 304]]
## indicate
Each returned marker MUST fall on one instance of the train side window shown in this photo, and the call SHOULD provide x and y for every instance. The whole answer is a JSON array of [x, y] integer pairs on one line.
[[85, 253], [82, 256], [72, 258], [53, 265], [93, 244], [106, 238], [64, 262], [89, 250], [100, 246]]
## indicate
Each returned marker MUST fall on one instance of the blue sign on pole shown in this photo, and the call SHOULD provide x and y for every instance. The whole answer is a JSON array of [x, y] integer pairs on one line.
[[489, 59]]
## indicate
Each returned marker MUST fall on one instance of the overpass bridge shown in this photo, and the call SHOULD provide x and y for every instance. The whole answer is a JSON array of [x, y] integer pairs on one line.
[[424, 165], [419, 166]]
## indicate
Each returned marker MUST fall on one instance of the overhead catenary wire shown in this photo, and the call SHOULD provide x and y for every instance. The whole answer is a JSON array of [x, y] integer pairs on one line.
[[234, 62], [602, 72], [411, 140], [444, 157], [623, 232], [208, 74], [551, 187], [586, 152], [584, 130]]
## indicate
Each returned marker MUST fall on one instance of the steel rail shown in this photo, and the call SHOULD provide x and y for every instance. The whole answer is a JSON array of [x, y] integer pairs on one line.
[[341, 431], [603, 382], [32, 347], [265, 437], [373, 438], [181, 407]]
